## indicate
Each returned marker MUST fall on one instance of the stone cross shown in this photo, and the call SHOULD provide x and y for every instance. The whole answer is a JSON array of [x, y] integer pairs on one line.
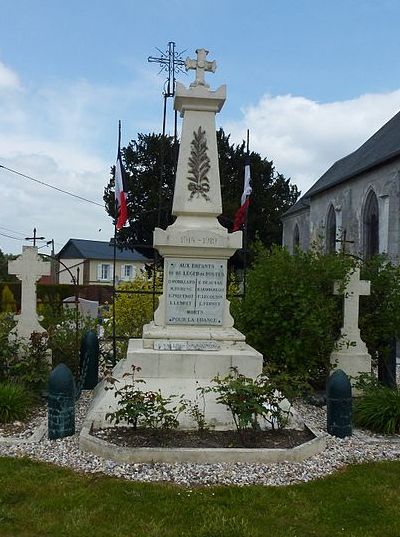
[[201, 65], [353, 290], [28, 268]]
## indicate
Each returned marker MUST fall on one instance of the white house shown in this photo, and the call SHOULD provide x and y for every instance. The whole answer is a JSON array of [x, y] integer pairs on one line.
[[91, 262]]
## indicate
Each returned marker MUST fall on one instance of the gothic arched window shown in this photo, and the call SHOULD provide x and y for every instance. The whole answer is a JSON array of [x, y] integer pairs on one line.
[[296, 238], [330, 238], [371, 226]]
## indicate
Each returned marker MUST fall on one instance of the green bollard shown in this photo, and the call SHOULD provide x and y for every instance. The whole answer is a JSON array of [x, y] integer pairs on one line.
[[89, 360], [61, 403], [339, 405]]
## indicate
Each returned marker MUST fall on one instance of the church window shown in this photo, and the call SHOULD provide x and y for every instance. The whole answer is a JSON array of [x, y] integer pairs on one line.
[[296, 238], [331, 231], [371, 226]]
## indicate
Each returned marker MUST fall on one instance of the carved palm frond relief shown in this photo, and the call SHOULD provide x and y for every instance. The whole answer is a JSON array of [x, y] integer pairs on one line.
[[199, 166]]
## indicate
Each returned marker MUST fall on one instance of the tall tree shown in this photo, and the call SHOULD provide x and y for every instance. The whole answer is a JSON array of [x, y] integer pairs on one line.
[[272, 194], [4, 276], [150, 166]]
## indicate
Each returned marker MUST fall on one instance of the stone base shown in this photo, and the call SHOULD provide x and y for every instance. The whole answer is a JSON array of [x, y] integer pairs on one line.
[[101, 448], [219, 336], [351, 363], [178, 372]]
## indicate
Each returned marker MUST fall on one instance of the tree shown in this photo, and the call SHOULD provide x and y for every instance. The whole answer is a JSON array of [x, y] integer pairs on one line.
[[272, 193], [4, 276], [143, 159], [147, 189]]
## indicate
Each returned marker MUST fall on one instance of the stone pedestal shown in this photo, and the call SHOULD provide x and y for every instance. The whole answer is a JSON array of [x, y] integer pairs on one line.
[[352, 363], [180, 372]]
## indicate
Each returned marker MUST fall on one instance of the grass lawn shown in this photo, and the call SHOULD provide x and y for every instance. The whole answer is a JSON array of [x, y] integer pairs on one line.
[[41, 500]]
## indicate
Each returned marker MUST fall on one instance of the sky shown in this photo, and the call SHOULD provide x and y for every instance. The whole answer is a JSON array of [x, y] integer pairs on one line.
[[311, 80]]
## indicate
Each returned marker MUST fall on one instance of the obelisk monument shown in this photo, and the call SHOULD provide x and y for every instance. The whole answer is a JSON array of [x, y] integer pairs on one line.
[[192, 337]]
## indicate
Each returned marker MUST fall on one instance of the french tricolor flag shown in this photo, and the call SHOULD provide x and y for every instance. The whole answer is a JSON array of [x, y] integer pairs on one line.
[[120, 190], [241, 213]]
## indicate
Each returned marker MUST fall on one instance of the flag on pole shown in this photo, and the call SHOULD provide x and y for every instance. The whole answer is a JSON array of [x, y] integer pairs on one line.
[[120, 189], [241, 213]]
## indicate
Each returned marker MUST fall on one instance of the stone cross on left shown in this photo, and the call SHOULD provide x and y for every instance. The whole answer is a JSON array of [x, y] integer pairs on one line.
[[28, 268]]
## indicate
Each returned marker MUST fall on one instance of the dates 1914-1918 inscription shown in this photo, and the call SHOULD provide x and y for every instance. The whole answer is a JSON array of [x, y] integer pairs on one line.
[[195, 291]]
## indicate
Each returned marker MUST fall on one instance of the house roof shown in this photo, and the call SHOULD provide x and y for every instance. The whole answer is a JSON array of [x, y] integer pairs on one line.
[[382, 147], [86, 249]]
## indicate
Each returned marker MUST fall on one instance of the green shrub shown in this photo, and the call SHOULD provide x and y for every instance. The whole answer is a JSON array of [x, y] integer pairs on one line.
[[248, 400], [8, 302], [30, 365], [8, 349], [65, 337], [378, 409], [380, 312], [15, 402], [132, 310], [290, 313], [21, 362], [144, 408]]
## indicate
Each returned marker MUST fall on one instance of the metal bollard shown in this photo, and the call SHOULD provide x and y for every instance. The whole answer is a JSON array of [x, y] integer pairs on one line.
[[339, 405], [89, 360], [61, 403]]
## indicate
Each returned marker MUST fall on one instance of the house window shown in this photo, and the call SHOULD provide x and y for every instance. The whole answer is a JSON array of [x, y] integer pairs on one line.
[[127, 272], [330, 239], [104, 272], [296, 238], [371, 226]]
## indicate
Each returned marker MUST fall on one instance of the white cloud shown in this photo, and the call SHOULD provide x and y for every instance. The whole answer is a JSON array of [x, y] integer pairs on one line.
[[304, 138], [8, 79], [64, 134]]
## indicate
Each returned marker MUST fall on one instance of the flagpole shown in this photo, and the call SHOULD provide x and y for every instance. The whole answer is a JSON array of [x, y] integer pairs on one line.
[[115, 258], [245, 236]]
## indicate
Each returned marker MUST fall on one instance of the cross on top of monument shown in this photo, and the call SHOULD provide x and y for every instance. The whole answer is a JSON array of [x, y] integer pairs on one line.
[[34, 238], [201, 65]]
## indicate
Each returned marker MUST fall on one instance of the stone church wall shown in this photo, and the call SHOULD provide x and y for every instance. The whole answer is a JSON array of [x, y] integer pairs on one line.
[[348, 200], [302, 220]]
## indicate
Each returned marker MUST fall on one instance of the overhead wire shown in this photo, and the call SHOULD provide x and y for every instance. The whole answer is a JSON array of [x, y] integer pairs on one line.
[[43, 183], [13, 231], [10, 237]]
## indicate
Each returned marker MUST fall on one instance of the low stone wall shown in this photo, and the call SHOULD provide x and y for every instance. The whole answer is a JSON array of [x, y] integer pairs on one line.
[[101, 448]]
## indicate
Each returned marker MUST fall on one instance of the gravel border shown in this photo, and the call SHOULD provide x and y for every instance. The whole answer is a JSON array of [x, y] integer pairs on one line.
[[361, 447]]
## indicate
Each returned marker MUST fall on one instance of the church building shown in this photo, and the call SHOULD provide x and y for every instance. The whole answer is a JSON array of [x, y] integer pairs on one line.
[[355, 204]]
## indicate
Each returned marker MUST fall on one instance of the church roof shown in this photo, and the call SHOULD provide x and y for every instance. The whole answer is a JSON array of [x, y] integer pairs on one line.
[[86, 249], [383, 146]]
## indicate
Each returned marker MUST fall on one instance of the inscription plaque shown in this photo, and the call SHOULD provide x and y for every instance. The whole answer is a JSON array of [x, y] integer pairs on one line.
[[195, 291], [194, 345]]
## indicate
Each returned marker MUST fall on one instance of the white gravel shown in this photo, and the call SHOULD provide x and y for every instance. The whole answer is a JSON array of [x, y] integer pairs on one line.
[[362, 446]]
